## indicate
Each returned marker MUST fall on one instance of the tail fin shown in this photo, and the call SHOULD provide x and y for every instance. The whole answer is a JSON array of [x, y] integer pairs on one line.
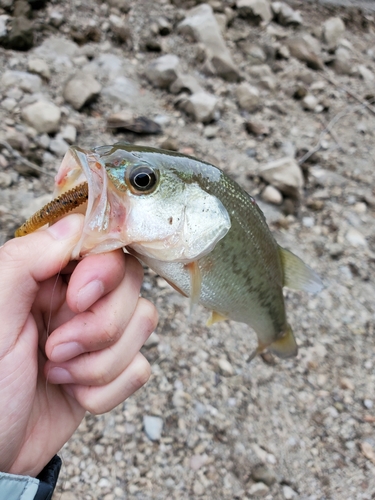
[[286, 346]]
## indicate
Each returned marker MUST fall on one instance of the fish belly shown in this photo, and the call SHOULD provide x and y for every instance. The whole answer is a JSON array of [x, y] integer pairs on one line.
[[234, 290]]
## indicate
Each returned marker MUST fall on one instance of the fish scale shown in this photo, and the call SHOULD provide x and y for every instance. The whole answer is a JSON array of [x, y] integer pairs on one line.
[[194, 226]]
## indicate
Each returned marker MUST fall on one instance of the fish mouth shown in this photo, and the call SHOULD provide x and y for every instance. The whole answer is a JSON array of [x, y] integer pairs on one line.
[[82, 186], [105, 209]]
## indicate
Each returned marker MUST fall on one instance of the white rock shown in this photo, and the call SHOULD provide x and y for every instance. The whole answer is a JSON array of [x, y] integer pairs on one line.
[[153, 340], [23, 80], [39, 67], [9, 103], [366, 74], [285, 15], [58, 146], [258, 490], [122, 90], [225, 367], [81, 89], [163, 71], [248, 97], [309, 102], [69, 133], [333, 31], [200, 23], [289, 493], [201, 106], [44, 116], [343, 64], [355, 238], [284, 174], [272, 195], [3, 25], [153, 427], [258, 9]]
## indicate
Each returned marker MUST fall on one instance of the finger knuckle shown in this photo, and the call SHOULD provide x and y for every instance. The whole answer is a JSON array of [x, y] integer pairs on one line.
[[141, 373], [149, 315]]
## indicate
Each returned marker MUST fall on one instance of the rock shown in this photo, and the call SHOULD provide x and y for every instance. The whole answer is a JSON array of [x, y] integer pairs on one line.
[[285, 15], [139, 125], [255, 10], [347, 383], [121, 5], [58, 146], [225, 368], [170, 144], [9, 103], [69, 134], [302, 50], [264, 474], [23, 80], [258, 490], [201, 106], [355, 238], [22, 8], [5, 180], [342, 63], [44, 116], [197, 461], [333, 30], [4, 19], [58, 51], [366, 74], [248, 97], [255, 54], [289, 493], [39, 67], [309, 102], [185, 83], [200, 23], [20, 35], [272, 195], [163, 71], [153, 427], [256, 128], [264, 76], [164, 26], [153, 340], [122, 90], [120, 29], [17, 140], [81, 90], [56, 18], [284, 174], [210, 131]]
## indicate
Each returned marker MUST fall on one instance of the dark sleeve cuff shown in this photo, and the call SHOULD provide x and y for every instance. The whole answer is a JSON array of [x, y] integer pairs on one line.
[[48, 479]]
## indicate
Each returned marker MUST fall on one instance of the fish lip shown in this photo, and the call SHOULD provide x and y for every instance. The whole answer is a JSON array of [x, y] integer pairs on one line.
[[105, 212]]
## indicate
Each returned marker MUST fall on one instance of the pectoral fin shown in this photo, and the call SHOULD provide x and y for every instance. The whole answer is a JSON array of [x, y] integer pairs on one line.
[[215, 317], [195, 283], [297, 274]]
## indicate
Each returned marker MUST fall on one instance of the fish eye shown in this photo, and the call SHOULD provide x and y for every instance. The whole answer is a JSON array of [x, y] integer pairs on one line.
[[142, 179]]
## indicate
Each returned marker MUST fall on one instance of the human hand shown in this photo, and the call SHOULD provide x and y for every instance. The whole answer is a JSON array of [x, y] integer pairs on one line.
[[70, 335]]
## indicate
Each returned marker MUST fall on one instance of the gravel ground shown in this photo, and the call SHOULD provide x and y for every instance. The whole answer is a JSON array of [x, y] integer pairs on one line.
[[208, 424]]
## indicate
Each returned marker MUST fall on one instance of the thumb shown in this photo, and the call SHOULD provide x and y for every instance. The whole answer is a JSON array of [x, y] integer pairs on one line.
[[26, 261]]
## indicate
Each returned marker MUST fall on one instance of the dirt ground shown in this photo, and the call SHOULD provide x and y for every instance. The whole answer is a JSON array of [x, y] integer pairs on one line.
[[297, 429]]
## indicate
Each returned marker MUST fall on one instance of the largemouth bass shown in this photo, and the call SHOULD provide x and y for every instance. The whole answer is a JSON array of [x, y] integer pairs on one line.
[[191, 224]]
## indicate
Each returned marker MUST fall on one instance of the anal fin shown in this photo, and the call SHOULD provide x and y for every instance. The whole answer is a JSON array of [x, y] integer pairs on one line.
[[215, 317]]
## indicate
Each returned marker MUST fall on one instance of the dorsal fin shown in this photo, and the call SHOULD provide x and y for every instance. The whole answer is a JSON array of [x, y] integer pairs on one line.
[[297, 274]]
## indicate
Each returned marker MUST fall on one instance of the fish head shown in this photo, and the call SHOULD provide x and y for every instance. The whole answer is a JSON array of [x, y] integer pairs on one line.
[[144, 199]]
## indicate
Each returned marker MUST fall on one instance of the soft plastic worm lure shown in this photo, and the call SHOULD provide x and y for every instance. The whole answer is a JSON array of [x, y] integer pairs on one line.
[[55, 209]]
